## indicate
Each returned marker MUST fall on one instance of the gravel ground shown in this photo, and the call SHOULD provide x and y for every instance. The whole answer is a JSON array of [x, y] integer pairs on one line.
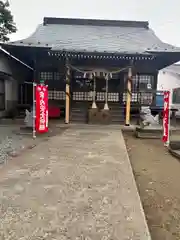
[[157, 175], [10, 142], [14, 140]]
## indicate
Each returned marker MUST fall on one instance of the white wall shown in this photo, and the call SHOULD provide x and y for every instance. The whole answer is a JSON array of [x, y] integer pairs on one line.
[[168, 81]]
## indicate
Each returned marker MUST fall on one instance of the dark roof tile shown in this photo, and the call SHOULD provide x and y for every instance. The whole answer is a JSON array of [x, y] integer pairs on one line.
[[97, 36]]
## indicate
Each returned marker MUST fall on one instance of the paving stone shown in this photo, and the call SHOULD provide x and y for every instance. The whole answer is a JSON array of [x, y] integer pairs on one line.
[[78, 185]]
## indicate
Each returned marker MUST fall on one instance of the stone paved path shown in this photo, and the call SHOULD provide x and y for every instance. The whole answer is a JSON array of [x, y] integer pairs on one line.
[[76, 186]]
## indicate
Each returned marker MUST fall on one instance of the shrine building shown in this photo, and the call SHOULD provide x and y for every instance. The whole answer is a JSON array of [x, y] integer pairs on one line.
[[99, 71]]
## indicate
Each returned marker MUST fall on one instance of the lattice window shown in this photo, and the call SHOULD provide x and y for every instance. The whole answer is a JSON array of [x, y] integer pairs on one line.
[[113, 97], [142, 98], [135, 83], [57, 76], [134, 97], [100, 96], [145, 82], [141, 82], [88, 96], [50, 94], [146, 98], [45, 76], [78, 96], [56, 95]]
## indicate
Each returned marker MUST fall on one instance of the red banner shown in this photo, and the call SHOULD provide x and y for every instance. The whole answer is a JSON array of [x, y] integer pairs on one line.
[[41, 93], [166, 121]]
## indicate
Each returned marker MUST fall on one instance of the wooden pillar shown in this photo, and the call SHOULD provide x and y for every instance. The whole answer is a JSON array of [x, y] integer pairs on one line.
[[67, 110], [128, 99]]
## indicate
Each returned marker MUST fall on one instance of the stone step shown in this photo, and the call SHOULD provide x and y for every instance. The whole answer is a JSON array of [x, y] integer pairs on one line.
[[79, 113]]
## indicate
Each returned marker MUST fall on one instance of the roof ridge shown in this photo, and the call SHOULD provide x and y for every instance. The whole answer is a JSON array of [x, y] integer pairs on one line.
[[96, 22]]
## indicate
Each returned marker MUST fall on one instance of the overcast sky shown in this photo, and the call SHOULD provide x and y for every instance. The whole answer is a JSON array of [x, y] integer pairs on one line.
[[163, 15]]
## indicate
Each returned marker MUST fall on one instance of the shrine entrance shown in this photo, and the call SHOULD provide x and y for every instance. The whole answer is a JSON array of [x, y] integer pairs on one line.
[[97, 90]]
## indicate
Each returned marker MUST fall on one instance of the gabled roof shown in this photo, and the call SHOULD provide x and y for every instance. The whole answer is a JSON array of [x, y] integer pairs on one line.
[[87, 35], [175, 69]]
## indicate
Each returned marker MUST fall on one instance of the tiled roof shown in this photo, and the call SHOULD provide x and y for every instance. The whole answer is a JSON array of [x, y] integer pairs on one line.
[[175, 68], [96, 36]]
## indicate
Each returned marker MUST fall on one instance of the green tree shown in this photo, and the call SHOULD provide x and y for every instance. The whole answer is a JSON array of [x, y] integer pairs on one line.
[[7, 25]]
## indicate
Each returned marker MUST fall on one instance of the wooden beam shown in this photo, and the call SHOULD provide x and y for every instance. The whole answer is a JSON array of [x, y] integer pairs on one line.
[[128, 98]]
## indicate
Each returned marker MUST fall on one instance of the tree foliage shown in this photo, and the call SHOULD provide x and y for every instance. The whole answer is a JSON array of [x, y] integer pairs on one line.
[[7, 25]]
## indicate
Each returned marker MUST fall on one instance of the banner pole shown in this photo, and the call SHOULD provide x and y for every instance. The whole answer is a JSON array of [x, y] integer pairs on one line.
[[167, 99], [169, 122], [34, 111]]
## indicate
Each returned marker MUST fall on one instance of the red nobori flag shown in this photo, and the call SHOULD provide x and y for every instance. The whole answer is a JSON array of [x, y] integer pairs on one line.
[[41, 123], [166, 117]]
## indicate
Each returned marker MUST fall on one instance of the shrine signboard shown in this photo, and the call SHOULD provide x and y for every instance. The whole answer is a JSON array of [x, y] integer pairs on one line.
[[166, 117], [41, 96]]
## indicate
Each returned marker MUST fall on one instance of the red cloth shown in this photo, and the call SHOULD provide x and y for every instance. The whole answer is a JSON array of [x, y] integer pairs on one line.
[[54, 112]]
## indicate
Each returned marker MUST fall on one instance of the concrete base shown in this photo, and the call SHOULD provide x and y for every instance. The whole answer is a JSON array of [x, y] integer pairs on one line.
[[175, 145], [93, 115], [105, 116], [25, 131], [174, 148], [149, 132], [175, 153], [26, 128]]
